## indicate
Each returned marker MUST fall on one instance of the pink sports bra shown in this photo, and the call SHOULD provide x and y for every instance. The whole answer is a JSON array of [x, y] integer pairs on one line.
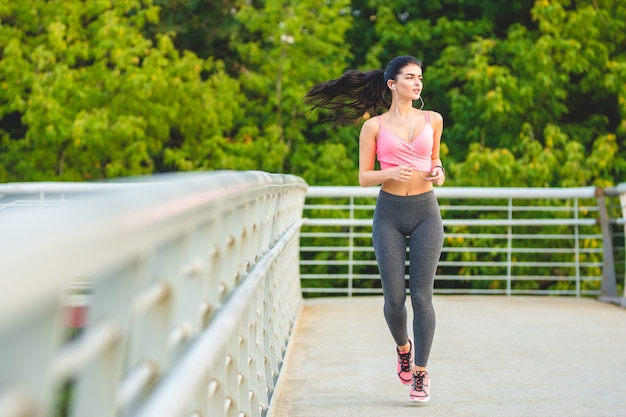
[[392, 150]]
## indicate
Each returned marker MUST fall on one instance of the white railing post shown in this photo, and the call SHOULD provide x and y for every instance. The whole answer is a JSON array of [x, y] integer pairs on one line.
[[351, 250], [509, 249], [577, 247]]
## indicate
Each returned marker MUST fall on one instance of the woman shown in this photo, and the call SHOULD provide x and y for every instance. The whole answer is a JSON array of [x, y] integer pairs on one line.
[[406, 142]]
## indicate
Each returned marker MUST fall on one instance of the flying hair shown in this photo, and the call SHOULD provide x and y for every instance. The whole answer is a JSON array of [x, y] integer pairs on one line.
[[355, 93]]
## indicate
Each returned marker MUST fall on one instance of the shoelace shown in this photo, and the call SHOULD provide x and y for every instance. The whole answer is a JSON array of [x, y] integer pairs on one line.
[[418, 381], [404, 361]]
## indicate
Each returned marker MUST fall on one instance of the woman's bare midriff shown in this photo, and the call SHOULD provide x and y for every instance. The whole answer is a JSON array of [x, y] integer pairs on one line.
[[416, 185]]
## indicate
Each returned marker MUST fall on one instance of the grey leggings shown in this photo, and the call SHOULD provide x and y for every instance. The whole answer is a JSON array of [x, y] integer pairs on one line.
[[417, 217]]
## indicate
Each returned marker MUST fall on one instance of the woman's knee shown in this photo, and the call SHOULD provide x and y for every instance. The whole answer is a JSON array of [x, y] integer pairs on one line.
[[422, 300], [395, 302]]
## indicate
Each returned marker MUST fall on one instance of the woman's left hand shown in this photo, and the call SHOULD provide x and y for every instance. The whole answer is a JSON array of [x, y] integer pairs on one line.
[[437, 176]]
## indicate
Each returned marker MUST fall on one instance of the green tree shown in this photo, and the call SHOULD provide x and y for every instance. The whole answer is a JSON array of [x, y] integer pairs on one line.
[[284, 48], [110, 88], [85, 95], [555, 86], [201, 26]]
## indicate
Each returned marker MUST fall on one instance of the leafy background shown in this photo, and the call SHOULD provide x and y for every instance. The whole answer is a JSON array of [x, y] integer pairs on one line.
[[532, 93]]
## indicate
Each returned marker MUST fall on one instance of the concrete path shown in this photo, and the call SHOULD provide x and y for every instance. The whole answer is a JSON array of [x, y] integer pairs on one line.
[[492, 356]]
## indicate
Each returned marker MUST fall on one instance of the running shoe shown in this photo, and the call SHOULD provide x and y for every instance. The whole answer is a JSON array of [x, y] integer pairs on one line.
[[420, 388], [405, 365]]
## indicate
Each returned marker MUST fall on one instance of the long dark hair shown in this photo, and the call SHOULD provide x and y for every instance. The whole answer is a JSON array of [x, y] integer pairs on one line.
[[355, 93]]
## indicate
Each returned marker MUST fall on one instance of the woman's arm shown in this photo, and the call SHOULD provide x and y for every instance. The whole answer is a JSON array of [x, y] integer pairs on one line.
[[436, 166], [367, 155]]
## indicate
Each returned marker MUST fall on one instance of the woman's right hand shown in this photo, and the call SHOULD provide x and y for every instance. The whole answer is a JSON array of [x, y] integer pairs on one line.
[[400, 173]]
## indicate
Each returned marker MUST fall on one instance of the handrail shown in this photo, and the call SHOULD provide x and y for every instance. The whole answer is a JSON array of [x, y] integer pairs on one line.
[[177, 266], [466, 192]]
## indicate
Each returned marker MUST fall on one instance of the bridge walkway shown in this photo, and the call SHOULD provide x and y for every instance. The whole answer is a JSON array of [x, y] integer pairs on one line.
[[492, 356]]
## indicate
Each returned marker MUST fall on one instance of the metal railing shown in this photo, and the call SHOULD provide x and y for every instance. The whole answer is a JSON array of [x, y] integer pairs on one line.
[[191, 281], [497, 241], [192, 284], [336, 260]]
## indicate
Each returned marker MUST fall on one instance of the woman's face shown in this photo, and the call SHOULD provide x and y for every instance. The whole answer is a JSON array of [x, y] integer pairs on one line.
[[409, 82]]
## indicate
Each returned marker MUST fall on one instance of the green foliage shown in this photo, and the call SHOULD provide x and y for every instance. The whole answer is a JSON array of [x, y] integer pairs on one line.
[[283, 49], [96, 99], [201, 26], [532, 92], [544, 95]]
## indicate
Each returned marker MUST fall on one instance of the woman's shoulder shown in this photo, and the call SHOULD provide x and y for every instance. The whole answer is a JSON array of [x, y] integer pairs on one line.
[[372, 123], [435, 116], [371, 128]]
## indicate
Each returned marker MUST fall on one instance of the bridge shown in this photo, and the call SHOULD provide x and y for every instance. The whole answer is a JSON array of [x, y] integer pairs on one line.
[[206, 295]]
